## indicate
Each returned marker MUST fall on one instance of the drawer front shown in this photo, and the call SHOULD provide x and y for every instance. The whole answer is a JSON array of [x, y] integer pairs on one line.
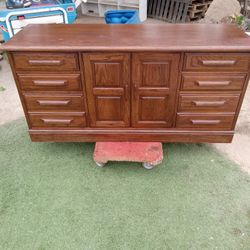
[[54, 103], [212, 81], [216, 122], [57, 120], [208, 103], [216, 62], [45, 61], [59, 82]]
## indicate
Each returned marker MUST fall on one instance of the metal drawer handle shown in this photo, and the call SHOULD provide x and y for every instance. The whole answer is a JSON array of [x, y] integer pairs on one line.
[[205, 122], [45, 62], [53, 103], [209, 104], [213, 83], [49, 83], [57, 121], [218, 62]]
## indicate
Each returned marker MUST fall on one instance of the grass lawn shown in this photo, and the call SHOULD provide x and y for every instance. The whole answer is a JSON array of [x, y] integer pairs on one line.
[[52, 196]]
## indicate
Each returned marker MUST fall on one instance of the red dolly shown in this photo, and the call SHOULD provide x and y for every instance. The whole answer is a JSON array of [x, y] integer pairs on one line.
[[149, 153]]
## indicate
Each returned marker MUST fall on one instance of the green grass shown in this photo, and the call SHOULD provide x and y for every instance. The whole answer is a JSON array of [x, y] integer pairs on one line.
[[52, 196]]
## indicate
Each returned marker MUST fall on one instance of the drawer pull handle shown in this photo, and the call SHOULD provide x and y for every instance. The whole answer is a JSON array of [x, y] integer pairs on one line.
[[45, 62], [218, 62], [53, 103], [205, 122], [57, 121], [216, 84], [208, 104], [49, 83]]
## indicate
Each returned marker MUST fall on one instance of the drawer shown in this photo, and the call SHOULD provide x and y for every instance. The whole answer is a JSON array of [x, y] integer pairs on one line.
[[216, 62], [205, 121], [58, 82], [54, 102], [212, 81], [45, 61], [57, 120], [208, 103]]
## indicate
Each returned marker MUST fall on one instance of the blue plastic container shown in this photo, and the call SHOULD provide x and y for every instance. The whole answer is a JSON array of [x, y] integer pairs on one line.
[[42, 11], [122, 17]]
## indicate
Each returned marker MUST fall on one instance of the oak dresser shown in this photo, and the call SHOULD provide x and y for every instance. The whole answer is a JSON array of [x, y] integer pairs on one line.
[[167, 83]]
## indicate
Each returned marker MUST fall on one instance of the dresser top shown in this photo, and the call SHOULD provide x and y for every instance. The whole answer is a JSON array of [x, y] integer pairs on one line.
[[141, 37]]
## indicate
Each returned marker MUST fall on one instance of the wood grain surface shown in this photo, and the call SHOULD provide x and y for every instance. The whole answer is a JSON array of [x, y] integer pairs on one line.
[[142, 37], [167, 83]]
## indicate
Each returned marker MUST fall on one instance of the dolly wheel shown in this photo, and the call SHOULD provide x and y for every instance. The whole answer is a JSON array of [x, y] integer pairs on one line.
[[100, 164], [147, 165]]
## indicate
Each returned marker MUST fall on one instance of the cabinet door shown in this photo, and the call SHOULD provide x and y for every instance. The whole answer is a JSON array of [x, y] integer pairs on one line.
[[107, 80], [154, 77]]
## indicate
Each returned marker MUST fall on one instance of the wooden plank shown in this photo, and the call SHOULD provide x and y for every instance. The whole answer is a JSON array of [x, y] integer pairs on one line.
[[200, 1], [197, 6], [197, 11]]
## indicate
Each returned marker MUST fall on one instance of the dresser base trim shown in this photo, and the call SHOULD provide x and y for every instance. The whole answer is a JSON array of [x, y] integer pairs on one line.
[[130, 135]]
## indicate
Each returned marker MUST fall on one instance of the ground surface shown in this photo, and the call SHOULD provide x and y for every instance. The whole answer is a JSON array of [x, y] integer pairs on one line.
[[63, 201]]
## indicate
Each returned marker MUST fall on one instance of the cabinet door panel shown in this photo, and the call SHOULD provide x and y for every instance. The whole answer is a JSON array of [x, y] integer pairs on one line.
[[154, 79], [107, 79]]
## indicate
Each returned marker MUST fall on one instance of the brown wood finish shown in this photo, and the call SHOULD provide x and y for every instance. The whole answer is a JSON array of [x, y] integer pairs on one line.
[[134, 38], [54, 102], [57, 120], [212, 81], [205, 121], [216, 62], [107, 79], [90, 135], [208, 102], [50, 82], [45, 61], [154, 81], [131, 82]]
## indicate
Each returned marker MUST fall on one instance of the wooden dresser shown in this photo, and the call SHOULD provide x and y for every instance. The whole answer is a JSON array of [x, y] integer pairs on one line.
[[167, 83]]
